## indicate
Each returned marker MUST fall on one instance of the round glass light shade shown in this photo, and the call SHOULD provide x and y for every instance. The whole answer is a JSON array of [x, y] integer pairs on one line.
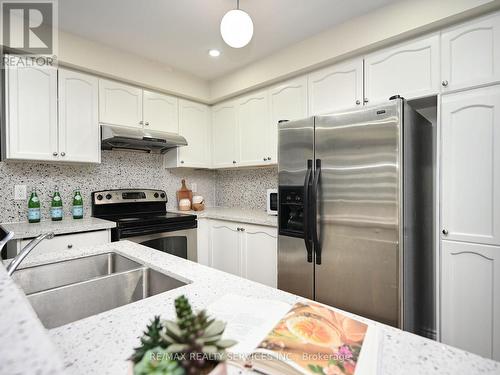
[[236, 28]]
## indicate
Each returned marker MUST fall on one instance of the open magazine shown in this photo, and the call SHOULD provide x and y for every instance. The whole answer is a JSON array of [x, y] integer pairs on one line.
[[306, 338]]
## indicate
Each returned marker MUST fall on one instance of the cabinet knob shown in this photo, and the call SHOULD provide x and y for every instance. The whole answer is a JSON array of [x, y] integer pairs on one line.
[[63, 153], [365, 100], [182, 161], [141, 122], [55, 153], [265, 159], [147, 123], [445, 231], [358, 102], [242, 229], [234, 161], [269, 158], [70, 246], [444, 83], [238, 229]]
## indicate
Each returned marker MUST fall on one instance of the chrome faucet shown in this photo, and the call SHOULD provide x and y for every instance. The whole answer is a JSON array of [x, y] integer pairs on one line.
[[26, 250]]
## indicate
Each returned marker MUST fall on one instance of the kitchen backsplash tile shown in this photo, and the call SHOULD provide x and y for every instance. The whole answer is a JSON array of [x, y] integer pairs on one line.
[[245, 188], [121, 169], [117, 170]]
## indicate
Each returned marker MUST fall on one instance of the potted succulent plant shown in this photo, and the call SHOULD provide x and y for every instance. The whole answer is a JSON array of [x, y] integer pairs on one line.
[[192, 344]]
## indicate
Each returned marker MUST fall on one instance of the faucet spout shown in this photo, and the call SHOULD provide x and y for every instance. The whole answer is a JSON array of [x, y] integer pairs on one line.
[[26, 250]]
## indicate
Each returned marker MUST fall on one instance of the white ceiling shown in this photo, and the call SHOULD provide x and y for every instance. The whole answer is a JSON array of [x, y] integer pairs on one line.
[[179, 33]]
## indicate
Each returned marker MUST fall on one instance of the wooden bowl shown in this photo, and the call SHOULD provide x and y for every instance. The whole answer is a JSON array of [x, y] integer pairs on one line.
[[198, 206]]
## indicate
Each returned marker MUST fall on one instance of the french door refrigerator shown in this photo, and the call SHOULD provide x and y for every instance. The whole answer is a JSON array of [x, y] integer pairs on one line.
[[356, 218]]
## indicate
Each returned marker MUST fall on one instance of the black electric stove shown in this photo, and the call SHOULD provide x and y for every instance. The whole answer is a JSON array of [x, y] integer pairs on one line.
[[141, 216]]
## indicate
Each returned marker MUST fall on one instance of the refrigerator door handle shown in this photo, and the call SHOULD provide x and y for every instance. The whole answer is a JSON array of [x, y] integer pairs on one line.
[[307, 230], [314, 216]]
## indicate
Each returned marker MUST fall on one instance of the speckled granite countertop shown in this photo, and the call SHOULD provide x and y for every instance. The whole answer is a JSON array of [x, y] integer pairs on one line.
[[67, 225], [241, 215], [101, 344]]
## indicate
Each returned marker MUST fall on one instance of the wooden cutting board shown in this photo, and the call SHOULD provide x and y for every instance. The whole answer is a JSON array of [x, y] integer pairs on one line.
[[184, 192]]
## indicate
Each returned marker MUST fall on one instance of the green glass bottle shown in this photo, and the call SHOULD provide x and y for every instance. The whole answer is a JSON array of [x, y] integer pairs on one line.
[[77, 205], [56, 206], [34, 208]]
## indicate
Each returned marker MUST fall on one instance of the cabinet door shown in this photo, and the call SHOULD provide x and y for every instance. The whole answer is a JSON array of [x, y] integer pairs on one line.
[[471, 165], [120, 104], [160, 112], [194, 125], [470, 53], [410, 70], [224, 252], [31, 114], [79, 136], [260, 254], [253, 129], [470, 309], [287, 101], [336, 88], [224, 135]]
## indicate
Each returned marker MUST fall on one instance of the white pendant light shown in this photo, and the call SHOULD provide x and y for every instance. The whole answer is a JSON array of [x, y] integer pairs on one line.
[[236, 27]]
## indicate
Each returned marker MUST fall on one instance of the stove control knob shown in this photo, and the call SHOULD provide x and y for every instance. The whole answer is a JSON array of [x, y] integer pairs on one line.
[[108, 196], [99, 197], [156, 195], [162, 195]]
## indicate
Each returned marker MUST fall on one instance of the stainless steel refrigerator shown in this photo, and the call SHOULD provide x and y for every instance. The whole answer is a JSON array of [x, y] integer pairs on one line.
[[356, 217]]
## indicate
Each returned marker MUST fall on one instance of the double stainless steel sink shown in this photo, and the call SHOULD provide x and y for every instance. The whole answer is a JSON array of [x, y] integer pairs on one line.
[[69, 290]]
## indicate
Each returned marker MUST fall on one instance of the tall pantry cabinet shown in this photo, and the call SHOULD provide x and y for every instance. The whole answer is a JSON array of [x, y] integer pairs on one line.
[[470, 187]]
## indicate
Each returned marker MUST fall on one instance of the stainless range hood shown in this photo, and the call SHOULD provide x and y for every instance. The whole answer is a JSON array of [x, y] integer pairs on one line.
[[135, 139]]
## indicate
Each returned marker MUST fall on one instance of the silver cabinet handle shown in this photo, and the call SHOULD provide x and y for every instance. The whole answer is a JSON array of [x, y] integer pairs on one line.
[[55, 153], [63, 153], [365, 100], [141, 122], [147, 123], [242, 229], [238, 229], [182, 161], [269, 158], [444, 83], [265, 159], [234, 161], [70, 246], [445, 232], [358, 102]]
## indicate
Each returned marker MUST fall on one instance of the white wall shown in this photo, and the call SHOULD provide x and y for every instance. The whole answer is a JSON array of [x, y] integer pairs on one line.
[[77, 52], [386, 25]]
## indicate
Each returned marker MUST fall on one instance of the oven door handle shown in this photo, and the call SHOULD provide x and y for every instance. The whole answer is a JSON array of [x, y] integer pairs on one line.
[[133, 232]]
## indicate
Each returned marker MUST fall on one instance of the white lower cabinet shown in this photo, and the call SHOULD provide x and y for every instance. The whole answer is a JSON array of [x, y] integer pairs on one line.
[[225, 247], [259, 254], [245, 250], [470, 309], [66, 241]]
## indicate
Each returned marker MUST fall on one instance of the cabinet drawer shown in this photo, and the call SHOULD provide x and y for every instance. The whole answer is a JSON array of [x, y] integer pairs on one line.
[[68, 241]]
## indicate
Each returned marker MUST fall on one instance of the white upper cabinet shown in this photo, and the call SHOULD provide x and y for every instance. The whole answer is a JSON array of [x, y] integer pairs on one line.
[[470, 186], [287, 101], [470, 305], [194, 125], [79, 132], [254, 129], [120, 104], [336, 88], [224, 135], [470, 53], [410, 70], [31, 114], [160, 112]]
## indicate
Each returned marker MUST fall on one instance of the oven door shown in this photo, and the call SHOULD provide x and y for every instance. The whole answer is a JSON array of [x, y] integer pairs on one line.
[[181, 243]]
